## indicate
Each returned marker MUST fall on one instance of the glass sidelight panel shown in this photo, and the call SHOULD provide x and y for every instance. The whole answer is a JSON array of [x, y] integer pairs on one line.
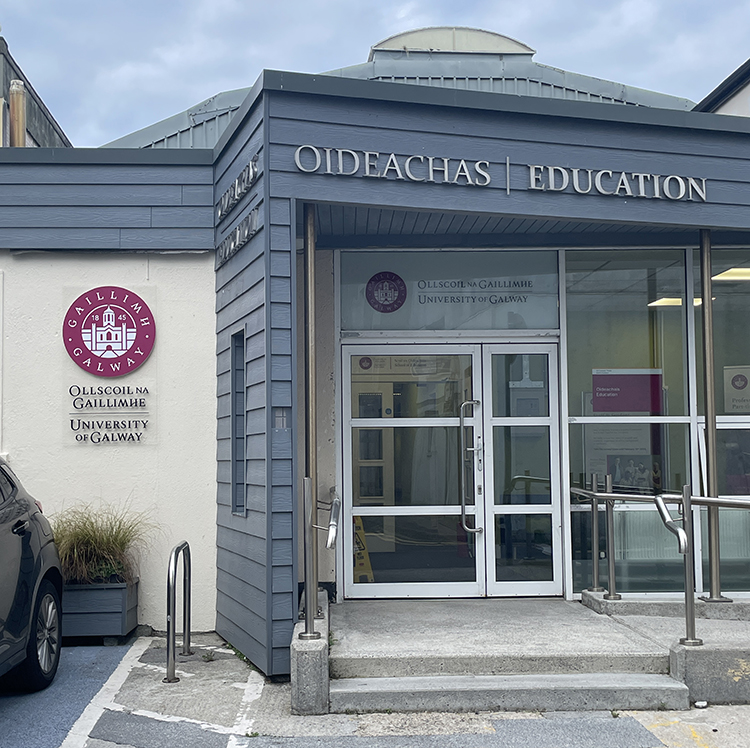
[[407, 466], [627, 350], [428, 548], [521, 464], [523, 548], [410, 386]]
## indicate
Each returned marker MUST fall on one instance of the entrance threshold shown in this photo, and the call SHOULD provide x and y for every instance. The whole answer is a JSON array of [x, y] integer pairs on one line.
[[502, 654]]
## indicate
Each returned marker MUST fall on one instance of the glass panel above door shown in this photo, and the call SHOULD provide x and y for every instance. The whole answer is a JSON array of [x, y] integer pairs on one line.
[[449, 290], [410, 386]]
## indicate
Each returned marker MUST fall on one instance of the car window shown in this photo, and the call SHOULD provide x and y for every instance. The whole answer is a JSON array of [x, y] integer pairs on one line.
[[6, 487]]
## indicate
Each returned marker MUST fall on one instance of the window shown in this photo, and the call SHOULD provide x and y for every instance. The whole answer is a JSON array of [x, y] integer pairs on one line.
[[238, 421]]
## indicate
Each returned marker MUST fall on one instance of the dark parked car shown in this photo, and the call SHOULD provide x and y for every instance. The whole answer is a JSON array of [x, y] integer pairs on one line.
[[30, 589]]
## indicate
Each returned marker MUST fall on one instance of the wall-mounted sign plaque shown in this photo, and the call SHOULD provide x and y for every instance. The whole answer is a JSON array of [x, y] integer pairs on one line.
[[109, 331]]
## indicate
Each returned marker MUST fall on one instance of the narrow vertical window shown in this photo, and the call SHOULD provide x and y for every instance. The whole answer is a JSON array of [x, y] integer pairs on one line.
[[238, 422]]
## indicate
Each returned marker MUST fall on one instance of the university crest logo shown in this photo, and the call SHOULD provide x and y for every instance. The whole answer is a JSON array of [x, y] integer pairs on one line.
[[109, 331], [385, 292]]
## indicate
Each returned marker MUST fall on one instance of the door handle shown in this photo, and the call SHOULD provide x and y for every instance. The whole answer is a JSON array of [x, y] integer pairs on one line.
[[467, 452], [20, 527]]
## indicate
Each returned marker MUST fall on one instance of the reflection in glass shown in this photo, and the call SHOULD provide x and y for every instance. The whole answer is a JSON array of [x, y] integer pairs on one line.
[[410, 386], [370, 444], [412, 549], [733, 453], [619, 323], [520, 385], [523, 548], [370, 405], [421, 466], [521, 464], [646, 556], [644, 458], [371, 480], [734, 531], [731, 319]]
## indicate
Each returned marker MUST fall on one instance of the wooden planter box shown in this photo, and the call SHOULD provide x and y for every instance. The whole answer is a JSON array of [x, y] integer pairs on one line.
[[99, 609]]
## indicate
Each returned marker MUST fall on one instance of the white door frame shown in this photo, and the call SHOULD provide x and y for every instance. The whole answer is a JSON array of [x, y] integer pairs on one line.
[[480, 514], [551, 422]]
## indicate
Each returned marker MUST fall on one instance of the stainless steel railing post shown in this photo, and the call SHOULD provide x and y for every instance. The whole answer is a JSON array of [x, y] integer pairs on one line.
[[595, 586], [183, 548], [611, 593], [689, 640], [712, 473], [311, 587]]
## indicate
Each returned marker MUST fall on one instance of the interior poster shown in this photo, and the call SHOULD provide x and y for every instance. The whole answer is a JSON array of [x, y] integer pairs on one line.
[[736, 389], [627, 391], [622, 450]]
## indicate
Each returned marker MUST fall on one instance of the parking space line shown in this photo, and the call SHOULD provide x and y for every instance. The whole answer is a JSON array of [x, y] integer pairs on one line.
[[79, 733]]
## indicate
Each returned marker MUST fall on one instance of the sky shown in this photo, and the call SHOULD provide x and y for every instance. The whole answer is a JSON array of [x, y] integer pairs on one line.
[[109, 67]]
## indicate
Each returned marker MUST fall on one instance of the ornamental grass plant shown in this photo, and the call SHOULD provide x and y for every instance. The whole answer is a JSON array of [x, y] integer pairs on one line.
[[99, 544]]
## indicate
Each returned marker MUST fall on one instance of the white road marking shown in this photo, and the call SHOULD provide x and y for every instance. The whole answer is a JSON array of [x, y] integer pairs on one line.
[[79, 733]]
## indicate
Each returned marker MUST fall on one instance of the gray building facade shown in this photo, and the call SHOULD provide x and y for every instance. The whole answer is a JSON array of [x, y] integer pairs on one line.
[[507, 301]]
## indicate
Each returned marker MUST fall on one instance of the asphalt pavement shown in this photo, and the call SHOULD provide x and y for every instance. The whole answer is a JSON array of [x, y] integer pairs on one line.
[[43, 720], [115, 697]]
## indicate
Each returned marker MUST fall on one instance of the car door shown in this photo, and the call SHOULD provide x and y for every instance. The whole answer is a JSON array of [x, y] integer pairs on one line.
[[17, 564]]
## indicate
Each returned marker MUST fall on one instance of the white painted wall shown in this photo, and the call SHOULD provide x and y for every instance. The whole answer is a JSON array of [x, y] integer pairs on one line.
[[172, 473]]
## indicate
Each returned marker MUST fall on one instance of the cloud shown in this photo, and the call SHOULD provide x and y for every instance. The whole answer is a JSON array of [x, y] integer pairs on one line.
[[106, 68]]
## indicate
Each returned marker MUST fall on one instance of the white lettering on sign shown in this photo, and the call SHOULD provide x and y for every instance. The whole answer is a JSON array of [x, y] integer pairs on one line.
[[238, 237], [617, 183], [415, 168], [238, 189]]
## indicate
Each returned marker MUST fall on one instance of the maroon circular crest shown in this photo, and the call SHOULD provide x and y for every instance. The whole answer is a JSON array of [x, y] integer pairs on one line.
[[385, 292], [109, 331], [739, 381]]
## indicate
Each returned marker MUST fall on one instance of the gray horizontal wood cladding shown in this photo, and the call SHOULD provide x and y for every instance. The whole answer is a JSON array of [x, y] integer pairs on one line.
[[257, 573], [723, 158], [109, 206]]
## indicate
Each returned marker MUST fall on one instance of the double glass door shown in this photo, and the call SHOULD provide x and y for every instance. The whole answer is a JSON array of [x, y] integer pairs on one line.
[[452, 478]]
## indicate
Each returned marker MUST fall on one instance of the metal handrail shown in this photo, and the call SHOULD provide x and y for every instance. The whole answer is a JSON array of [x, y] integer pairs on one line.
[[334, 519], [671, 525], [183, 548], [684, 535]]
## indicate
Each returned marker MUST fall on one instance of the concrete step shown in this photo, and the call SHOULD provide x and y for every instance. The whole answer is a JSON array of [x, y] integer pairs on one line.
[[505, 663], [543, 692]]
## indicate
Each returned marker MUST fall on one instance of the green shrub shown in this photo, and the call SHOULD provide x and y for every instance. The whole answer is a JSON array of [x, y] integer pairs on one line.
[[98, 543]]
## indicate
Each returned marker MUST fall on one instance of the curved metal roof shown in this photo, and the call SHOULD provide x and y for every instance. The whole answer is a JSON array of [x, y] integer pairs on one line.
[[452, 39], [446, 57], [473, 59]]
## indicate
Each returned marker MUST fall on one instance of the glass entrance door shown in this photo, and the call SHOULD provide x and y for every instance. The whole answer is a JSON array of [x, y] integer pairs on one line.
[[452, 471]]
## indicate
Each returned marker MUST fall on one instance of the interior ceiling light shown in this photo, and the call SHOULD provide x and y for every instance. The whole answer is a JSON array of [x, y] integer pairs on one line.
[[667, 301], [733, 274], [674, 301]]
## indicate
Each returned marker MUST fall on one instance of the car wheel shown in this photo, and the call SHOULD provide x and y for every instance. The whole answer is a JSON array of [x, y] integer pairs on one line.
[[38, 670]]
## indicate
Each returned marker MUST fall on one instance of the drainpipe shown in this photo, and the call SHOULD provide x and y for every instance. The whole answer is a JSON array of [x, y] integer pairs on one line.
[[712, 477], [17, 103]]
